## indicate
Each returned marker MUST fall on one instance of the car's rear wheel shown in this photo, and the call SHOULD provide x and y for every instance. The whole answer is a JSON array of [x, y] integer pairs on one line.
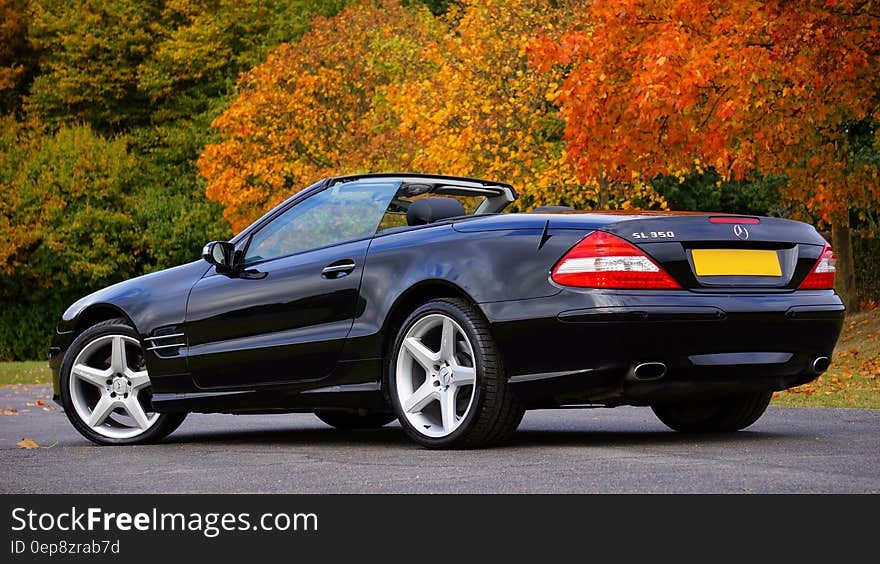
[[446, 381], [106, 390], [351, 421], [723, 415]]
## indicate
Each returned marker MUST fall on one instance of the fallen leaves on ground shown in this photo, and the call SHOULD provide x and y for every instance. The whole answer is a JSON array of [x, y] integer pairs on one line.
[[33, 397], [30, 444]]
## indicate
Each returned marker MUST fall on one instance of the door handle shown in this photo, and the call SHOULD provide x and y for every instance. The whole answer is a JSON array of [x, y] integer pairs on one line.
[[338, 269], [252, 274]]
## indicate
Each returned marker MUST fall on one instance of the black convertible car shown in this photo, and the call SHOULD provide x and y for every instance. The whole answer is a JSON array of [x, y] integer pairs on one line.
[[373, 297]]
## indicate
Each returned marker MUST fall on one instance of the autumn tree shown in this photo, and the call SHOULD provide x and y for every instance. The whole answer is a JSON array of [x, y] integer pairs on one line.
[[390, 88], [201, 46], [91, 50], [117, 64], [488, 112], [98, 165], [655, 86], [484, 111], [317, 108], [16, 57], [66, 216], [66, 227]]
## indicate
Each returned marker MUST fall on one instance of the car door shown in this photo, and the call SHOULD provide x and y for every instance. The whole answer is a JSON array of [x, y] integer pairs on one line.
[[285, 315]]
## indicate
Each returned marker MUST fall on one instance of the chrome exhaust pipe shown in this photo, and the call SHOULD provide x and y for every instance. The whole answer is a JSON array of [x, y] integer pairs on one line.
[[649, 371], [820, 364]]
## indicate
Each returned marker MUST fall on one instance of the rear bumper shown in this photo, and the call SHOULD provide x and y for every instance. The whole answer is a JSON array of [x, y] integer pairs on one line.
[[582, 346]]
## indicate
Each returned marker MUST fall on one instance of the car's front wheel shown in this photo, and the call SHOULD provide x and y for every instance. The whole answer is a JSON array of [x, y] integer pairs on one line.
[[445, 379], [723, 415], [105, 388]]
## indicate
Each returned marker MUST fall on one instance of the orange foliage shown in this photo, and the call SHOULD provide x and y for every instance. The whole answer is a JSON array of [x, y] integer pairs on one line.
[[316, 108], [654, 85], [387, 87]]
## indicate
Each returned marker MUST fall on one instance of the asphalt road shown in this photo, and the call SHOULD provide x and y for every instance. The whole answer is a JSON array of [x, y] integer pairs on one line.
[[584, 451]]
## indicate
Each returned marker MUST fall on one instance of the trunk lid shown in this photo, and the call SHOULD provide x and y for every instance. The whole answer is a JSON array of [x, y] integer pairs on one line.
[[725, 253]]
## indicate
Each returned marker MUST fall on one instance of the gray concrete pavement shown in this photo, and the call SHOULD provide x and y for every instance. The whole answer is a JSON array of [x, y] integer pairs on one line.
[[582, 451]]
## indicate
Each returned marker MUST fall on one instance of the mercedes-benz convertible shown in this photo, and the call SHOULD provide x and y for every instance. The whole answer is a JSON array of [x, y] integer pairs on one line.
[[370, 298]]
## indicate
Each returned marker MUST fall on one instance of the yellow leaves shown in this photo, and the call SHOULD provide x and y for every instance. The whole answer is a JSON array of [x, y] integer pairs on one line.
[[461, 100], [30, 444], [27, 444]]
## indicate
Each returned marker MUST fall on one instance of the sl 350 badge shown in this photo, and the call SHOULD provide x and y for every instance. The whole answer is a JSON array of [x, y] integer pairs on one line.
[[654, 235]]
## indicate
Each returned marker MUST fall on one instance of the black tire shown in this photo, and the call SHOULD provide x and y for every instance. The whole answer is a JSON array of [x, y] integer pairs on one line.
[[166, 423], [353, 421], [723, 415], [495, 411]]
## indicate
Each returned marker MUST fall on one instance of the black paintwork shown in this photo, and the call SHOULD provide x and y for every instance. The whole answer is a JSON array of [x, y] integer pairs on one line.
[[286, 338]]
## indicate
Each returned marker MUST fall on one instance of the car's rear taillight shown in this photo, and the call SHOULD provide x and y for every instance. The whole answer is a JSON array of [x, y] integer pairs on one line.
[[602, 260], [822, 275]]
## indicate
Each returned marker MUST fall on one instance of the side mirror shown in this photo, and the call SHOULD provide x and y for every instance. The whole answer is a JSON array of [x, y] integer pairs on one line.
[[221, 254]]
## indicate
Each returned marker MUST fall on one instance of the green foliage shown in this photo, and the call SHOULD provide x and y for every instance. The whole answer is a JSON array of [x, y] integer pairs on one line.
[[704, 190], [202, 46], [118, 64], [65, 228], [71, 191], [170, 206], [83, 211], [90, 54], [27, 321], [99, 180], [867, 249], [440, 7]]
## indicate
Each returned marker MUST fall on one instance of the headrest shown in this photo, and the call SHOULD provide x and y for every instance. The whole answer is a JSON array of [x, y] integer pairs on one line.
[[429, 210]]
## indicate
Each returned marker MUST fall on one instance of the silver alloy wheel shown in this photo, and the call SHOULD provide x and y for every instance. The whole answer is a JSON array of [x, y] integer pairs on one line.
[[107, 384], [435, 375]]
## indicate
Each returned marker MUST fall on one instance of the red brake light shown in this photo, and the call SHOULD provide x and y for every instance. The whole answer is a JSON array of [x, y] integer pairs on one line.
[[602, 260], [728, 219], [822, 275]]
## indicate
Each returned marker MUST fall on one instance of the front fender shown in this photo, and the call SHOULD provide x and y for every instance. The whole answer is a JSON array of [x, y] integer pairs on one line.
[[147, 302]]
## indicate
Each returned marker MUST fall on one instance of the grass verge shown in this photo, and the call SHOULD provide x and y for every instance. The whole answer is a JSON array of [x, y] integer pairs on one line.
[[854, 377], [29, 372]]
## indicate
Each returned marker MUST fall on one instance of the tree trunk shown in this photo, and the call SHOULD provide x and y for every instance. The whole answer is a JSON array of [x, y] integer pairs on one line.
[[841, 240], [603, 191]]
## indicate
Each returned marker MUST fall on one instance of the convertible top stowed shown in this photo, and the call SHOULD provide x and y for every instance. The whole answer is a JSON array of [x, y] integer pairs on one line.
[[370, 297]]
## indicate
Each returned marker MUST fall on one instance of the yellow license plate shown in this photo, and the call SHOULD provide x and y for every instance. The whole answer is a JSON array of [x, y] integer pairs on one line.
[[736, 262]]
